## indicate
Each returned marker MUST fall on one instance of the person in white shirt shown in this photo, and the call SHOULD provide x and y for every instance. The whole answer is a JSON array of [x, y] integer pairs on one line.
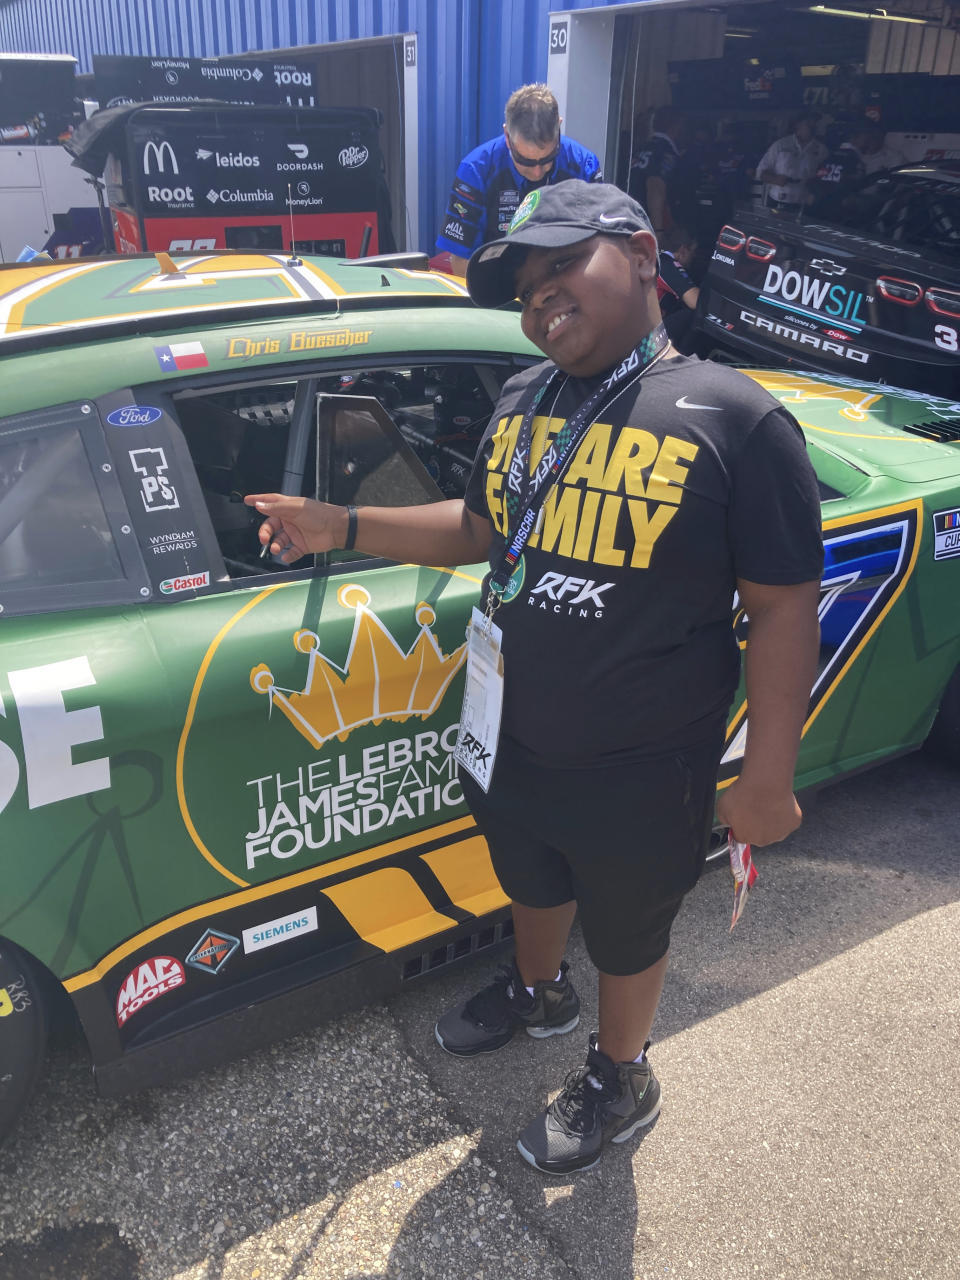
[[877, 154], [788, 164]]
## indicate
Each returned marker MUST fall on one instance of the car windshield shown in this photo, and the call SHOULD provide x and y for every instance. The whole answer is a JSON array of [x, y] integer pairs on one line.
[[917, 207]]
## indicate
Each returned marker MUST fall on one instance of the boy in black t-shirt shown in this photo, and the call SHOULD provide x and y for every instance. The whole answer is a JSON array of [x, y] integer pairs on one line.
[[675, 483]]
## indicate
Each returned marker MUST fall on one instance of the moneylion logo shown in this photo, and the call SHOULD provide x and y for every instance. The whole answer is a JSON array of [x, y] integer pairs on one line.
[[162, 153], [378, 681]]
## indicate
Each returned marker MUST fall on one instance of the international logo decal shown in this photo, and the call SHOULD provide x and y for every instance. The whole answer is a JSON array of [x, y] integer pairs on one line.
[[378, 681], [213, 951], [526, 209]]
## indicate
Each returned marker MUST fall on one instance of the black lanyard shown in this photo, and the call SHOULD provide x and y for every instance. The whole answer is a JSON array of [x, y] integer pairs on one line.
[[525, 494]]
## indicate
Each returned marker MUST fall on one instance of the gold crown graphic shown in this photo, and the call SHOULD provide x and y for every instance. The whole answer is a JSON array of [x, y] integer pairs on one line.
[[377, 682]]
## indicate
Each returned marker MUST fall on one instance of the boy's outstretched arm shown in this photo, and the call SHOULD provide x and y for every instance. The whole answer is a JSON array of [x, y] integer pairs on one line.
[[443, 533]]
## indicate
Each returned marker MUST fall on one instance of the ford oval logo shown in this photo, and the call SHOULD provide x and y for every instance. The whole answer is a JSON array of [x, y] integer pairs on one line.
[[134, 415]]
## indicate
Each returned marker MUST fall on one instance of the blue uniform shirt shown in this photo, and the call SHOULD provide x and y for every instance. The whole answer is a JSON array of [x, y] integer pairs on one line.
[[488, 188]]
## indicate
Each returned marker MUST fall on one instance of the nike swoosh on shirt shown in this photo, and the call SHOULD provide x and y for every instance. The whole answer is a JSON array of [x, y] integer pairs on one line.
[[683, 403]]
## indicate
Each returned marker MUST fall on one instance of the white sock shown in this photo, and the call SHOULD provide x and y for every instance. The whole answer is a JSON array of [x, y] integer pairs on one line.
[[530, 991]]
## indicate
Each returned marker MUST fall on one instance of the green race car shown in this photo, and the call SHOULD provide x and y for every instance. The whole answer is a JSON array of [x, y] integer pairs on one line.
[[228, 801]]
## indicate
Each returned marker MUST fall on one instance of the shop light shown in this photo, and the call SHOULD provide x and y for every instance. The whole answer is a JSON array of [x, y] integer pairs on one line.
[[872, 15]]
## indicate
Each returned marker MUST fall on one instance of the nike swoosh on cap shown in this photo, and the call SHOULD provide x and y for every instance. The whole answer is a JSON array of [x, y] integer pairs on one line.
[[683, 403], [604, 217]]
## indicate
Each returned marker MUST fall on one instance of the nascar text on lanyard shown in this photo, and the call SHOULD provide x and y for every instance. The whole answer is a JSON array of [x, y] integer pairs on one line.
[[476, 747]]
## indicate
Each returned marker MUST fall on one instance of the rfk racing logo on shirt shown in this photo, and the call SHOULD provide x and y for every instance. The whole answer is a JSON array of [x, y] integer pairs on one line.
[[157, 492], [576, 597]]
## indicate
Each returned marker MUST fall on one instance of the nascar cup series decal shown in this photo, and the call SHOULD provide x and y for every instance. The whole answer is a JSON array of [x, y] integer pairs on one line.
[[343, 731]]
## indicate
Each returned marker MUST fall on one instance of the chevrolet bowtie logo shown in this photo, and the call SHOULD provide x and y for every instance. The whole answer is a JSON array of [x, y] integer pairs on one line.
[[827, 268], [377, 682]]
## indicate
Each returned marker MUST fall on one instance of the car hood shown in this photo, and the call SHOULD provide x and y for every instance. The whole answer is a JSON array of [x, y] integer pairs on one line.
[[878, 430]]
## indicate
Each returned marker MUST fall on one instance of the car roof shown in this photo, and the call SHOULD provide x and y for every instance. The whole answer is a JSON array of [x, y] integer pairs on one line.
[[79, 301]]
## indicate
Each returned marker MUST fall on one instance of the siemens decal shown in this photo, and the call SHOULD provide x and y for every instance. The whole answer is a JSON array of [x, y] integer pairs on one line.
[[834, 299]]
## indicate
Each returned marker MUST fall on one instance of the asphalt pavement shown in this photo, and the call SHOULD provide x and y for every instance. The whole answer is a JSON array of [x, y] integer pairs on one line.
[[809, 1128]]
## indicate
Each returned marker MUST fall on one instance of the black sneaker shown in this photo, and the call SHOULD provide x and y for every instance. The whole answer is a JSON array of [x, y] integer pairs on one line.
[[578, 1124], [487, 1021]]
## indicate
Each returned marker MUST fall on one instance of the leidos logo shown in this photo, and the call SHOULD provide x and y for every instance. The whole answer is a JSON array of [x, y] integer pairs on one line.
[[573, 596], [159, 157], [821, 295]]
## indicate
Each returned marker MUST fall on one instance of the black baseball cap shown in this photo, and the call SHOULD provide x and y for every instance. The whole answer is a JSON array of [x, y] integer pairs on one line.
[[549, 218]]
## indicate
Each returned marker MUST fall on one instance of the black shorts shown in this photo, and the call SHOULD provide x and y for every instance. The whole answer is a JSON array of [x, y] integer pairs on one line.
[[627, 842]]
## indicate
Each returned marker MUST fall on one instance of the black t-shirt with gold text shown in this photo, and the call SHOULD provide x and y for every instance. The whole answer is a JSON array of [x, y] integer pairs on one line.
[[617, 635]]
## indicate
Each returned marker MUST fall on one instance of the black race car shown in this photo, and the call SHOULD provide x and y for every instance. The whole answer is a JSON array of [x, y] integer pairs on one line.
[[873, 293]]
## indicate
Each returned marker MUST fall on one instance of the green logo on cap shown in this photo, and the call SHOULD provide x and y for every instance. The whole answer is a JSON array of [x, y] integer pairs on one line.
[[530, 202]]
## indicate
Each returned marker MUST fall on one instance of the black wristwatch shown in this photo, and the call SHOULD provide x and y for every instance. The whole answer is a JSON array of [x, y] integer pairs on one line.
[[351, 537]]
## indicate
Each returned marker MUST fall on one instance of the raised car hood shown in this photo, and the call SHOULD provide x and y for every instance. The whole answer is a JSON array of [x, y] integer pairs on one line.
[[870, 425]]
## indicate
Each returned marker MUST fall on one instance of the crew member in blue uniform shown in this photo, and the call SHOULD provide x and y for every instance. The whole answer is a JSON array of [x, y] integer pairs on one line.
[[494, 178]]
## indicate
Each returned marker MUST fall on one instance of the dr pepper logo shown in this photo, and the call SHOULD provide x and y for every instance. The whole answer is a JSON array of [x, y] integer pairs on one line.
[[153, 978]]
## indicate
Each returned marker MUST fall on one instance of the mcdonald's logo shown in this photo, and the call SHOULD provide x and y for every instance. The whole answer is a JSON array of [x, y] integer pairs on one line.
[[163, 154]]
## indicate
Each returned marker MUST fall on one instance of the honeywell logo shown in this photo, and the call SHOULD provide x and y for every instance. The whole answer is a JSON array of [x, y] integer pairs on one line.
[[159, 157]]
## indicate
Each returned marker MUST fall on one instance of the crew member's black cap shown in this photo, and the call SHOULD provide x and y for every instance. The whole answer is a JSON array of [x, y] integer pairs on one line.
[[549, 218]]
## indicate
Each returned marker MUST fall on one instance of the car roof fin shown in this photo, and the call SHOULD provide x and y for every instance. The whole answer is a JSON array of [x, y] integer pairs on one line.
[[167, 265]]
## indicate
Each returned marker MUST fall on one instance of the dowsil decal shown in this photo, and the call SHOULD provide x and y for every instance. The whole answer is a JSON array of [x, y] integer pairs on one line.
[[820, 295]]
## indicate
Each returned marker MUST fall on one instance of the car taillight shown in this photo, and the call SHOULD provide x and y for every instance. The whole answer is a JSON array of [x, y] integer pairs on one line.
[[906, 292], [760, 250], [945, 302], [731, 239]]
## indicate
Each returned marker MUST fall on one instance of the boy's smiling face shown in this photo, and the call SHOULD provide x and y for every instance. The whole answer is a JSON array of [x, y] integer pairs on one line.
[[587, 305]]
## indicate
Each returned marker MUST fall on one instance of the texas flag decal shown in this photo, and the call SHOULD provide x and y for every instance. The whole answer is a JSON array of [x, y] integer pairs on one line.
[[181, 355]]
